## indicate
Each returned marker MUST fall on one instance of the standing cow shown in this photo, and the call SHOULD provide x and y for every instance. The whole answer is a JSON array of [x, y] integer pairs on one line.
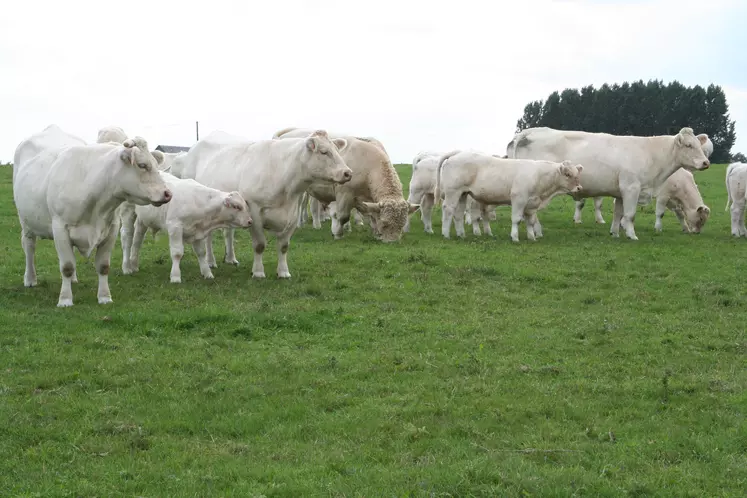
[[679, 194], [375, 190], [629, 168], [69, 191], [271, 175], [736, 194], [194, 211], [526, 185]]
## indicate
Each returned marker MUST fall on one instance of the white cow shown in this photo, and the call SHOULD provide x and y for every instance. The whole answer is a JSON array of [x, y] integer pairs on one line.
[[69, 191], [526, 185], [736, 192], [271, 175], [679, 194], [194, 211], [375, 190], [185, 166], [423, 186], [126, 210], [629, 168]]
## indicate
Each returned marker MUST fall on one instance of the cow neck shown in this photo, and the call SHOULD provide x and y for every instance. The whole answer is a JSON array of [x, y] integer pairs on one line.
[[667, 160], [102, 197]]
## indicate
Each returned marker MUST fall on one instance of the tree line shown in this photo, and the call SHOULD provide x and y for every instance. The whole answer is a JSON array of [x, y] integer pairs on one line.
[[639, 108]]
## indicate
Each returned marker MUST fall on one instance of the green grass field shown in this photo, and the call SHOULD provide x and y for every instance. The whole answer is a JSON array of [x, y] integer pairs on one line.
[[578, 365]]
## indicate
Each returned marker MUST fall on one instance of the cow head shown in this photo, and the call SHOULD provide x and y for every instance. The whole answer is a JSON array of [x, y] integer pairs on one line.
[[235, 211], [696, 218], [688, 150], [706, 144], [570, 175], [323, 159], [388, 217], [140, 180]]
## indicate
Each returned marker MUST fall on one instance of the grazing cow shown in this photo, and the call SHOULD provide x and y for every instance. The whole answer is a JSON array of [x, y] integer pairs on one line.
[[69, 191], [271, 175], [679, 193], [194, 211], [736, 194], [375, 190], [628, 168], [526, 185]]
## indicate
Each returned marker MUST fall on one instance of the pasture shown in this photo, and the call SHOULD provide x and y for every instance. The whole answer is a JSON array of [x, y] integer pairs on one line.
[[579, 365]]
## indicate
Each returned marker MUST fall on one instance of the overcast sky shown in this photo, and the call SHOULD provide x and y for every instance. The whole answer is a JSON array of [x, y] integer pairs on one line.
[[417, 74]]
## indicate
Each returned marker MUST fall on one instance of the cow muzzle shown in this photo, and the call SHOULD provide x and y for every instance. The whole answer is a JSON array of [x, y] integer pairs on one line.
[[345, 176], [165, 198]]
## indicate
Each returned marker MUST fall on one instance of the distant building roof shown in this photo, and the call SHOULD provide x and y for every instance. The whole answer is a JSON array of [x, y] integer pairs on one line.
[[171, 149]]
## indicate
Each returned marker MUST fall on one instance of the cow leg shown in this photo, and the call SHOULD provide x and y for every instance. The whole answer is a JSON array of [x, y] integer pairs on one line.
[[630, 206], [661, 209], [316, 213], [737, 218], [176, 248], [616, 217], [66, 256], [517, 215], [536, 226], [137, 242], [200, 248], [485, 215], [228, 235], [474, 211], [530, 217], [28, 242], [448, 209], [283, 241], [426, 209], [126, 232], [577, 214], [598, 210], [258, 244], [209, 251], [103, 264], [302, 211], [340, 214], [681, 217], [459, 215]]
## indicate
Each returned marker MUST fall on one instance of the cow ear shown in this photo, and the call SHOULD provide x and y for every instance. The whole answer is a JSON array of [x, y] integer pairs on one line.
[[231, 200], [158, 156], [580, 168], [340, 143], [704, 209], [368, 207], [127, 155], [311, 144], [413, 208], [564, 169], [703, 138]]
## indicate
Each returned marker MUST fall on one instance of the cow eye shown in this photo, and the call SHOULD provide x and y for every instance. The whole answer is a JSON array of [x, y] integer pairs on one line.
[[142, 165]]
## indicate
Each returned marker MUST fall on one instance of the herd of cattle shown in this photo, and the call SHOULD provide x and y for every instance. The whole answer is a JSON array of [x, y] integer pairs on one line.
[[83, 195]]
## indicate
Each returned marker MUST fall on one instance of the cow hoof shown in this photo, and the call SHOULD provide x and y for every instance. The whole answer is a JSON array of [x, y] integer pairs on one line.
[[75, 280], [230, 261], [29, 283], [601, 222], [105, 300], [284, 274], [127, 271], [64, 303], [176, 280], [209, 276], [258, 274], [577, 222], [429, 231]]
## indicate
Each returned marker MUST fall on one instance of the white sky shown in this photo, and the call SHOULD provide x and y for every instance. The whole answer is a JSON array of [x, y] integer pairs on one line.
[[416, 74]]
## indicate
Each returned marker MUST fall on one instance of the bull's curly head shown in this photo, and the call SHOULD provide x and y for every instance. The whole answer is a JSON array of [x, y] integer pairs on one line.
[[388, 217]]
